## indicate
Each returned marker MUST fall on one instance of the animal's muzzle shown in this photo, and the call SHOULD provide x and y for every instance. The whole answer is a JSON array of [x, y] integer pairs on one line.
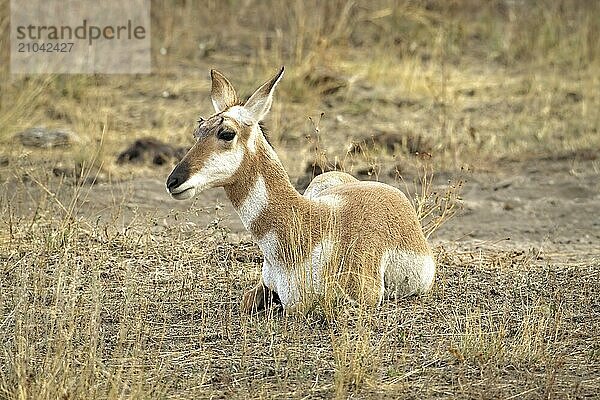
[[178, 176]]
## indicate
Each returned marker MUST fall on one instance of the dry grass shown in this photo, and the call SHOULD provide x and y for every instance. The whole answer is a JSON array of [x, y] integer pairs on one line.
[[500, 80], [132, 304], [90, 311]]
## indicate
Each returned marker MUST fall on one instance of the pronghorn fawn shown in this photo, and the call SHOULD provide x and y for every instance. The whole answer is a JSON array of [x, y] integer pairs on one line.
[[359, 239]]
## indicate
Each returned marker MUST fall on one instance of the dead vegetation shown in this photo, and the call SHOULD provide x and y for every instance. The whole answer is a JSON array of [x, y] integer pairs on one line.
[[125, 303], [454, 80], [92, 311]]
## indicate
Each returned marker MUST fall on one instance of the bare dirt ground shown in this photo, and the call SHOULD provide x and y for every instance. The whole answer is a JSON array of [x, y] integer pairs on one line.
[[547, 204]]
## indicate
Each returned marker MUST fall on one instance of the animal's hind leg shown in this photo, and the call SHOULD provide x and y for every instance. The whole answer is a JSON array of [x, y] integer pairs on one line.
[[258, 299]]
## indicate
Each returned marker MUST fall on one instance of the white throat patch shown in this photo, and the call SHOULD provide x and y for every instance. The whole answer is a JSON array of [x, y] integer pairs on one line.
[[255, 203]]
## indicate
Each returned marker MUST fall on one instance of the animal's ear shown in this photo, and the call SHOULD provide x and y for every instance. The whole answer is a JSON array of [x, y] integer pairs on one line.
[[259, 104], [223, 94]]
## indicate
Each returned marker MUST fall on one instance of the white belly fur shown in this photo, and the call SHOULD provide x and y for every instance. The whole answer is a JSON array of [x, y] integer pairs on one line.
[[290, 285], [405, 274]]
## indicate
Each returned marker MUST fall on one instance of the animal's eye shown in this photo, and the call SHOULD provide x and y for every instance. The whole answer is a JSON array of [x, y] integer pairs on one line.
[[226, 135]]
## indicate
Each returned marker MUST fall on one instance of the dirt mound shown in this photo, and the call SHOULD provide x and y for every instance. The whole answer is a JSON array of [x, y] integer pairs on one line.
[[152, 151]]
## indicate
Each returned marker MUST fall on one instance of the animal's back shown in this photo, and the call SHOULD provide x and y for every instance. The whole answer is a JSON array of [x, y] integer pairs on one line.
[[379, 213], [327, 180]]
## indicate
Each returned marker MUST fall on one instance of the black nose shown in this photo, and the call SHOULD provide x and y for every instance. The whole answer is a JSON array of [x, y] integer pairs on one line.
[[173, 181], [178, 176]]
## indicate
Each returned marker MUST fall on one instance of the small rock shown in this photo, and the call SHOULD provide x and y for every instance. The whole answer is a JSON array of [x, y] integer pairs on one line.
[[79, 174], [371, 171], [574, 97], [467, 92], [503, 184], [326, 81], [46, 138]]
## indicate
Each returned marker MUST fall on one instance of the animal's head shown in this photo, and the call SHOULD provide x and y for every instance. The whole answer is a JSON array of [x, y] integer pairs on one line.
[[223, 140]]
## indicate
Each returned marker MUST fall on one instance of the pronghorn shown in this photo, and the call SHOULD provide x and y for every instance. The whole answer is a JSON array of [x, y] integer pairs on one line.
[[362, 238]]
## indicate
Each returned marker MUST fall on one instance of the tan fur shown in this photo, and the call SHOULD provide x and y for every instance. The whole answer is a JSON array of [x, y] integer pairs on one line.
[[349, 225], [325, 181], [373, 217]]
